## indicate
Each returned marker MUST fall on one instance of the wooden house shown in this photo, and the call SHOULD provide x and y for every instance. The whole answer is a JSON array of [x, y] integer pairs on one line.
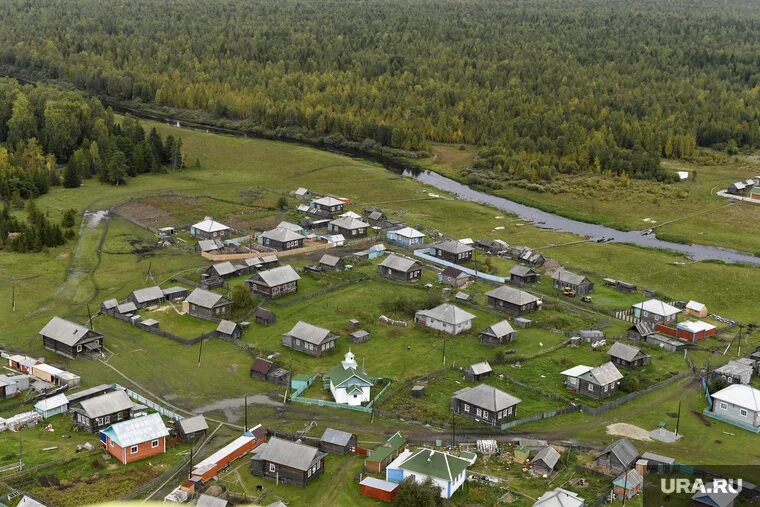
[[309, 339], [328, 204], [381, 456], [478, 371], [454, 277], [174, 293], [191, 428], [617, 457], [545, 460], [264, 316], [599, 382], [628, 356], [349, 227], [375, 217], [577, 283], [452, 251], [331, 262], [406, 237], [511, 300], [274, 283], [281, 239], [446, 317], [225, 270], [96, 413], [655, 312], [71, 340], [135, 439], [208, 228], [288, 462], [268, 371], [337, 442], [485, 403], [229, 329], [401, 269], [523, 275], [497, 334], [737, 371], [207, 305], [149, 296]]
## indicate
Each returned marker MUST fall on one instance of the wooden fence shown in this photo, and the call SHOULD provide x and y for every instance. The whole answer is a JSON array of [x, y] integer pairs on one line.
[[542, 415], [161, 332], [317, 293]]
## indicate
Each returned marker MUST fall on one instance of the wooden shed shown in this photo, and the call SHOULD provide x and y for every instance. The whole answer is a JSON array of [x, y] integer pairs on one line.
[[378, 489], [337, 442]]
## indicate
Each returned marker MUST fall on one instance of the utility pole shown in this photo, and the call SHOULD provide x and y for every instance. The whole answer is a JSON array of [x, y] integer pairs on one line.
[[245, 404], [89, 316], [200, 351], [13, 295], [678, 417], [444, 351], [453, 431]]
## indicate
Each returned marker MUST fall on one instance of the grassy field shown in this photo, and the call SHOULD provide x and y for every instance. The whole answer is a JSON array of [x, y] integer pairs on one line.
[[240, 181], [698, 215]]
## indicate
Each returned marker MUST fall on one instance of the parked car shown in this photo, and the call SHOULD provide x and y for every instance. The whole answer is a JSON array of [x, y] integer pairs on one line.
[[567, 291], [586, 299]]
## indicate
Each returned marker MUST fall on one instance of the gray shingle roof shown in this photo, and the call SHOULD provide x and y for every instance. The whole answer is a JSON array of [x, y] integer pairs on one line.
[[309, 333], [349, 223], [226, 327], [568, 277], [521, 271], [624, 351], [224, 268], [452, 246], [512, 295], [128, 307], [623, 449], [211, 501], [209, 245], [500, 329], [277, 276], [480, 368], [106, 404], [287, 453], [548, 455], [289, 226], [65, 331], [205, 299], [602, 375], [337, 437], [192, 424], [448, 313], [329, 260], [110, 304], [485, 396], [281, 235], [398, 263], [148, 294], [559, 497]]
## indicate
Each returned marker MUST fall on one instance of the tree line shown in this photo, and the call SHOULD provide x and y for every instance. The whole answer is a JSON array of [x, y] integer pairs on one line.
[[551, 85], [51, 137]]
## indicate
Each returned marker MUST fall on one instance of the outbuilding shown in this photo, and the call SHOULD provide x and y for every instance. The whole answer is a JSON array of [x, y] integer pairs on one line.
[[54, 405], [378, 489], [337, 442], [191, 428], [229, 329]]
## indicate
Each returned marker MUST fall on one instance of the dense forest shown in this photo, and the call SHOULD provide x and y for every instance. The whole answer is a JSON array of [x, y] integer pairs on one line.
[[546, 86], [53, 137]]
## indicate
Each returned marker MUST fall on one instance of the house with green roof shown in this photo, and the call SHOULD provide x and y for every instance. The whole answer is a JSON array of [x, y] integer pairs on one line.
[[447, 471], [379, 458], [347, 383]]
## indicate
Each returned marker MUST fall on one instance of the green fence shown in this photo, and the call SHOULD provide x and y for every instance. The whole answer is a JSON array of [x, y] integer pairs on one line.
[[296, 397]]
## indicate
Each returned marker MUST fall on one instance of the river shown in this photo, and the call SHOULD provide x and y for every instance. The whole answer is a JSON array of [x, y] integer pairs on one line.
[[555, 222]]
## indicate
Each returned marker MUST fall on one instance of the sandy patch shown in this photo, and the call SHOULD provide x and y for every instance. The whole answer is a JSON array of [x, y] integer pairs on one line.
[[628, 430]]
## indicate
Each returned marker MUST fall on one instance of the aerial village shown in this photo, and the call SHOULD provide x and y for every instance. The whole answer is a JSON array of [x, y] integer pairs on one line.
[[542, 341]]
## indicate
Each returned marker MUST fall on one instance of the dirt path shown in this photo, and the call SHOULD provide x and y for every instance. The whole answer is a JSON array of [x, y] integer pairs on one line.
[[337, 477]]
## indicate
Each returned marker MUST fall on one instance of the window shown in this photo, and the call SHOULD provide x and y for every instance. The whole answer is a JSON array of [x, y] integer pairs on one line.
[[318, 465], [154, 444], [509, 411], [730, 380], [308, 473], [79, 348], [591, 387], [111, 442], [99, 421], [107, 419], [605, 388], [133, 449], [466, 407], [743, 412], [119, 416], [723, 405], [272, 468], [478, 412]]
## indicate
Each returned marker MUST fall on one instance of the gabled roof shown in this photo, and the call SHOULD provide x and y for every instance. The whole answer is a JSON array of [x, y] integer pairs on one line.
[[432, 463], [289, 226], [658, 307], [603, 374], [406, 232], [380, 484], [127, 307], [740, 395], [209, 245], [287, 453], [695, 305], [658, 458], [522, 271], [511, 295], [261, 365], [281, 235], [452, 272], [337, 437], [643, 328], [576, 371], [695, 326], [376, 215], [224, 268], [500, 329], [106, 404], [28, 501], [227, 327], [136, 431], [205, 298], [559, 497], [192, 424], [66, 332], [487, 397], [480, 368], [448, 314], [211, 501], [263, 313], [623, 450], [624, 351], [548, 455], [398, 263], [310, 333], [328, 201], [209, 225], [452, 246], [562, 275], [349, 223], [110, 304], [329, 260], [277, 276], [629, 480], [56, 401], [148, 294], [352, 214], [721, 498]]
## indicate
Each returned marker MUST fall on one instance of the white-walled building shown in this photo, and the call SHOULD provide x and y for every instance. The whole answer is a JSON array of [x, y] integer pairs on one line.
[[348, 384], [447, 318], [447, 471]]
